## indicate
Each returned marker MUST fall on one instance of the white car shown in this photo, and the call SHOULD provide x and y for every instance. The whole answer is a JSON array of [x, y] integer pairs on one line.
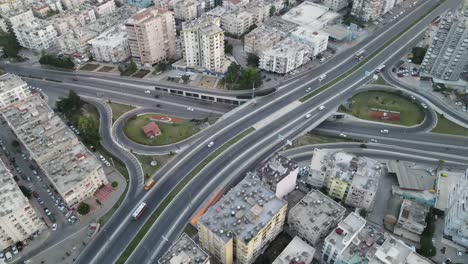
[[321, 107], [384, 131], [107, 163], [14, 250], [373, 140], [190, 109], [54, 226], [343, 135], [308, 116], [147, 92], [308, 89], [210, 144]]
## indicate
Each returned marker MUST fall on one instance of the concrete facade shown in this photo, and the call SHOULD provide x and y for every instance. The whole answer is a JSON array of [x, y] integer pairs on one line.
[[110, 46], [12, 90], [280, 174], [188, 9], [297, 250], [456, 215], [184, 250], [37, 35], [367, 10], [336, 5]]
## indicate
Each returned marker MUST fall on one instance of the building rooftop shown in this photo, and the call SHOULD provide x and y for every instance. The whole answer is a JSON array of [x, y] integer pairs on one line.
[[11, 196], [316, 212], [364, 245], [424, 197], [413, 212], [244, 210], [392, 251], [280, 24], [206, 23], [218, 11], [184, 251], [286, 48], [10, 81], [145, 14], [445, 186], [111, 37], [346, 231], [310, 15], [297, 250], [275, 169], [412, 176], [266, 34]]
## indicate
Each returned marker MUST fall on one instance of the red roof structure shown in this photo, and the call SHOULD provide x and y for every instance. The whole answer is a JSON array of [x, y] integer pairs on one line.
[[151, 130]]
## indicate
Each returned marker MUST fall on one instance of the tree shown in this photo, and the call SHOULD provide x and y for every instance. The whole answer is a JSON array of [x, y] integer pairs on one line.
[[228, 48], [69, 105], [363, 213], [272, 10], [133, 68], [25, 191], [232, 74], [249, 78], [64, 62], [440, 164], [253, 60], [89, 129], [185, 78], [15, 143], [162, 66], [83, 208], [418, 54], [115, 184], [11, 47]]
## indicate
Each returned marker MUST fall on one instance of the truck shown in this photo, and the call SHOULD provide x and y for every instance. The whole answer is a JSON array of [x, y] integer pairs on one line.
[[150, 184]]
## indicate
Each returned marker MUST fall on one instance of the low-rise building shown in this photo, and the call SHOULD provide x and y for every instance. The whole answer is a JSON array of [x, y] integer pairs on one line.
[[110, 46], [284, 56], [12, 90], [70, 4], [37, 35], [104, 8], [297, 251], [237, 23], [18, 219], [184, 251], [317, 41], [45, 8], [456, 214], [188, 9], [140, 3], [260, 11], [242, 224], [368, 10], [411, 220], [311, 16], [71, 169], [262, 38], [315, 216], [280, 173], [336, 5]]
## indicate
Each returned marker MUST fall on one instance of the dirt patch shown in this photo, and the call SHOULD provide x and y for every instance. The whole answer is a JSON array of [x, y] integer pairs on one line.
[[106, 69], [89, 67], [207, 82], [141, 73]]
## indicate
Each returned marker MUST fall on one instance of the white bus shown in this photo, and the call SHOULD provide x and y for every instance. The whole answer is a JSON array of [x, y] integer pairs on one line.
[[139, 211]]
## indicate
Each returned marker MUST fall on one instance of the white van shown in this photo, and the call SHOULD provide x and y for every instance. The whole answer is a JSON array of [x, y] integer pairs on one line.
[[322, 60], [384, 131], [322, 77]]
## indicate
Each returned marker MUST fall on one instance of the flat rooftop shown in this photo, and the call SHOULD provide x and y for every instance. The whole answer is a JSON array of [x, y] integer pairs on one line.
[[424, 197], [184, 251], [311, 15], [280, 24], [364, 245], [412, 176], [11, 197], [346, 230], [297, 250], [392, 251], [265, 33], [286, 48], [276, 169], [243, 211], [315, 213], [445, 186], [413, 212], [111, 37], [9, 82]]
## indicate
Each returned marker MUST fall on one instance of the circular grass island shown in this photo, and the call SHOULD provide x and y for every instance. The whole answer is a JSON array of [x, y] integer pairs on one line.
[[386, 107], [172, 129]]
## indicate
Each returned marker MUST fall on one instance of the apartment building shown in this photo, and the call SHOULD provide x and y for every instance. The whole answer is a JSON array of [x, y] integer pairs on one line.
[[43, 8], [18, 219], [336, 5], [456, 214], [280, 173], [105, 8], [238, 22], [139, 3], [151, 36], [317, 41], [71, 169], [70, 4], [72, 20], [315, 216], [17, 17], [110, 46], [344, 234], [411, 220], [298, 251], [184, 250], [367, 10], [262, 38], [355, 241], [187, 10], [260, 11], [284, 56], [37, 35], [447, 56], [241, 225], [12, 90], [347, 177], [203, 43]]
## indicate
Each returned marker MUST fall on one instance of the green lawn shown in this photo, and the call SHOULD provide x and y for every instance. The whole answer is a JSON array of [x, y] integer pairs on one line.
[[89, 67], [190, 230], [105, 69], [410, 113], [119, 109], [145, 161], [170, 133], [141, 73], [379, 80], [312, 138], [445, 126]]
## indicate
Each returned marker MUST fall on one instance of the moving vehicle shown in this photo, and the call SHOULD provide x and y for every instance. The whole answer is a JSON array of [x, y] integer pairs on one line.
[[54, 226], [322, 77], [307, 116], [210, 144], [308, 89], [380, 68], [139, 211], [321, 107], [373, 140], [150, 184], [343, 135], [322, 60], [384, 131], [147, 92], [359, 55]]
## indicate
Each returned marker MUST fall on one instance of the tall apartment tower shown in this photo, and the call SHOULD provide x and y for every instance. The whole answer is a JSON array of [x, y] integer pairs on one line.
[[203, 43], [18, 220], [12, 90], [367, 10], [456, 214], [152, 36], [447, 56], [240, 226]]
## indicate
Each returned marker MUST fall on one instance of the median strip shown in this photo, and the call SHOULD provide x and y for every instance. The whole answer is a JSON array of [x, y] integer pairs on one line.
[[146, 227], [360, 64]]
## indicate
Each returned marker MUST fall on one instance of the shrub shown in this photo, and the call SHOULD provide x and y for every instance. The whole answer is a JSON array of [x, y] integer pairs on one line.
[[83, 208]]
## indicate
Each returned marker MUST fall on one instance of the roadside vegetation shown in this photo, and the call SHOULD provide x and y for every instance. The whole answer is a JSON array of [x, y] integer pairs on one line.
[[53, 60], [10, 45], [445, 126], [148, 169], [427, 248], [245, 79], [119, 109], [361, 105], [313, 138]]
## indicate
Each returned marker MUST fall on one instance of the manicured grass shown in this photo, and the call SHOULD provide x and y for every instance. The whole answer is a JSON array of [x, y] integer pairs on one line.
[[106, 69], [379, 80], [313, 138], [410, 113], [445, 126], [170, 133], [141, 73], [190, 230], [119, 109], [363, 62], [139, 236], [89, 67], [145, 161]]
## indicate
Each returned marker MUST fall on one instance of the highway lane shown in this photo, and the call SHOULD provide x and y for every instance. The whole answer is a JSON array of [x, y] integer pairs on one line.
[[184, 168]]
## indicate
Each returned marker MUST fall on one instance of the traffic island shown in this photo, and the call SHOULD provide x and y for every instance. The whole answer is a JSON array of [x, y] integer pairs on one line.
[[445, 126], [384, 107], [159, 130]]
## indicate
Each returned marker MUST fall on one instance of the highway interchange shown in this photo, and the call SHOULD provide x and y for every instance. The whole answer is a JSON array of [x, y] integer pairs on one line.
[[230, 166]]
